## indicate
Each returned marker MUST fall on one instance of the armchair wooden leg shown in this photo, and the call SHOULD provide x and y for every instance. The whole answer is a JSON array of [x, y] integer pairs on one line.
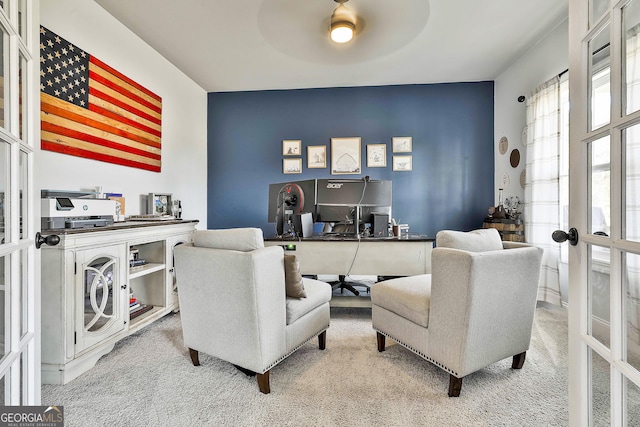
[[455, 385], [381, 341], [194, 357], [263, 382], [322, 340], [518, 360]]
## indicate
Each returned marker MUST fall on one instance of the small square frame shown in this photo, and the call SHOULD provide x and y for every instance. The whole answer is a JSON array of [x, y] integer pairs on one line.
[[402, 163], [402, 144], [316, 156], [291, 147], [290, 166], [377, 155]]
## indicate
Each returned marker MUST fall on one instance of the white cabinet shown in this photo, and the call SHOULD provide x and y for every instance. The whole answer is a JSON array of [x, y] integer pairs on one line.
[[88, 286]]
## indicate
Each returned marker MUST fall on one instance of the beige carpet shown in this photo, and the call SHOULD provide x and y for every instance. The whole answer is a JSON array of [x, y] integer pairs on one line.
[[148, 380]]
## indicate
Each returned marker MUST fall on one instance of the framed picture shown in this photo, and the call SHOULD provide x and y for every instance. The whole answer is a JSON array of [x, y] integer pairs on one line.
[[402, 144], [316, 156], [292, 166], [345, 156], [291, 147], [377, 155], [159, 204], [402, 163]]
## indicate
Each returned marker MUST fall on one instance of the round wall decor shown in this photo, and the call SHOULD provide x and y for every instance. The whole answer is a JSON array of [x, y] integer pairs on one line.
[[506, 180], [503, 145], [523, 178], [515, 158]]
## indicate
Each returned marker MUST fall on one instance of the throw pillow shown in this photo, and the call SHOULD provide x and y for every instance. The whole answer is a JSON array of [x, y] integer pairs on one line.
[[294, 286]]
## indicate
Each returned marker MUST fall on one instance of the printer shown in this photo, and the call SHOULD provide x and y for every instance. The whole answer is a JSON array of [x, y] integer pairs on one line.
[[75, 209]]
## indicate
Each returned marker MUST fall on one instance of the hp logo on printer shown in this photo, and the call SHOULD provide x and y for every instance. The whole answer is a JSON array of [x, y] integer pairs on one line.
[[85, 207]]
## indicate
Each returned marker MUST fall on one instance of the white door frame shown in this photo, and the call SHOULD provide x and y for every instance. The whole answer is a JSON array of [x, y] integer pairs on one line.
[[20, 365], [581, 344]]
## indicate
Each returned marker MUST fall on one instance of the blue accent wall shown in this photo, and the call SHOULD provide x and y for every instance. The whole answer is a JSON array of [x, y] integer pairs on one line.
[[450, 186]]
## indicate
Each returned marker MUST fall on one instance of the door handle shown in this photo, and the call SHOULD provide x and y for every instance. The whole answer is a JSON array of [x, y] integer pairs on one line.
[[50, 239], [560, 236]]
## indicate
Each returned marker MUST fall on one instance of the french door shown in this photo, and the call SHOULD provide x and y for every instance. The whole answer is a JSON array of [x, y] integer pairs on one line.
[[19, 102], [604, 207]]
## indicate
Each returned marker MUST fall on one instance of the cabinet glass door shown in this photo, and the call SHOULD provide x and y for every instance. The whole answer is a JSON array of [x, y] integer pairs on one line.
[[100, 295]]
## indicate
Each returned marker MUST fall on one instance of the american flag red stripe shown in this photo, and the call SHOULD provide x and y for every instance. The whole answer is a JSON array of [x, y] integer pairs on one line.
[[90, 110], [110, 99], [89, 154], [121, 90], [124, 78], [51, 129]]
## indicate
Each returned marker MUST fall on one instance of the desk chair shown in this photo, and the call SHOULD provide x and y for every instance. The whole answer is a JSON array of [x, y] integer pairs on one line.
[[344, 229]]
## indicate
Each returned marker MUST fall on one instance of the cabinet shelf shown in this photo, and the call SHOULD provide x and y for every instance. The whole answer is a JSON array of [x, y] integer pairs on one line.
[[141, 318], [145, 269]]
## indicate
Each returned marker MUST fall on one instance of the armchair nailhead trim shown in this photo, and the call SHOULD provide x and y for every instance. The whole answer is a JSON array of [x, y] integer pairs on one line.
[[419, 353], [295, 349]]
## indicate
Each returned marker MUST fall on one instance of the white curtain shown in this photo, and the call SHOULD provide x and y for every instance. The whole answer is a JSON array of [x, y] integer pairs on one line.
[[542, 210]]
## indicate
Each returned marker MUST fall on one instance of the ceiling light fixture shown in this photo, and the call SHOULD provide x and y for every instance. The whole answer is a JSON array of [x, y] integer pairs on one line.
[[343, 23]]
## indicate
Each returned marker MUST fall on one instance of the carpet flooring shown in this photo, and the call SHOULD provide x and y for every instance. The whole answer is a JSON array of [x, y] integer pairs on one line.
[[148, 379]]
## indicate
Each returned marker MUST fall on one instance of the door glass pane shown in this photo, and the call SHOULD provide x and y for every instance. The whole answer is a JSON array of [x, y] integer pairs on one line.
[[631, 280], [599, 294], [600, 390], [22, 90], [631, 58], [633, 403], [597, 8], [4, 83], [599, 153], [632, 183], [4, 280], [4, 182], [600, 79], [23, 293], [22, 19], [22, 182]]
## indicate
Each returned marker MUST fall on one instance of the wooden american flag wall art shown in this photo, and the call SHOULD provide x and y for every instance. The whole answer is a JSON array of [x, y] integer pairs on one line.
[[90, 110]]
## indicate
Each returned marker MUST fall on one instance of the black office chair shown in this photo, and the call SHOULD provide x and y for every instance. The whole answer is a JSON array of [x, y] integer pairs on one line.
[[343, 284]]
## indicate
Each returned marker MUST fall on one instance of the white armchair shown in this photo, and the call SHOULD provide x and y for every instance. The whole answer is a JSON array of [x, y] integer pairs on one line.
[[474, 309], [233, 305]]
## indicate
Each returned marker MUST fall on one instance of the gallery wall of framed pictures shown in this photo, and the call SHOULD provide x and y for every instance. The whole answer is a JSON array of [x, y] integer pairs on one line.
[[346, 155]]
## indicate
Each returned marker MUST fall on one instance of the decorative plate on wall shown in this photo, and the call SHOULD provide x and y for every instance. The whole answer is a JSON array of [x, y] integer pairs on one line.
[[503, 145], [523, 178], [506, 180], [515, 158]]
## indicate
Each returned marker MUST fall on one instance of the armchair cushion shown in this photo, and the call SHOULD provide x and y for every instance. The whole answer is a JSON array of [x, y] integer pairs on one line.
[[236, 239], [473, 241], [408, 297], [294, 286], [318, 293]]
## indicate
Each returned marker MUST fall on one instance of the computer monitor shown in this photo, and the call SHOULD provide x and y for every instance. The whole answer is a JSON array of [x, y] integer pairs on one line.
[[352, 200], [290, 198]]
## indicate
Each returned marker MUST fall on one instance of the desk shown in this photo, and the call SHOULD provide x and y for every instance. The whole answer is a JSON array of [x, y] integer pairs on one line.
[[406, 256]]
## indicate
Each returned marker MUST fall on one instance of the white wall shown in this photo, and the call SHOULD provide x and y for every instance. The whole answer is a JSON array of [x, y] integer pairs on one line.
[[184, 116], [544, 60]]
